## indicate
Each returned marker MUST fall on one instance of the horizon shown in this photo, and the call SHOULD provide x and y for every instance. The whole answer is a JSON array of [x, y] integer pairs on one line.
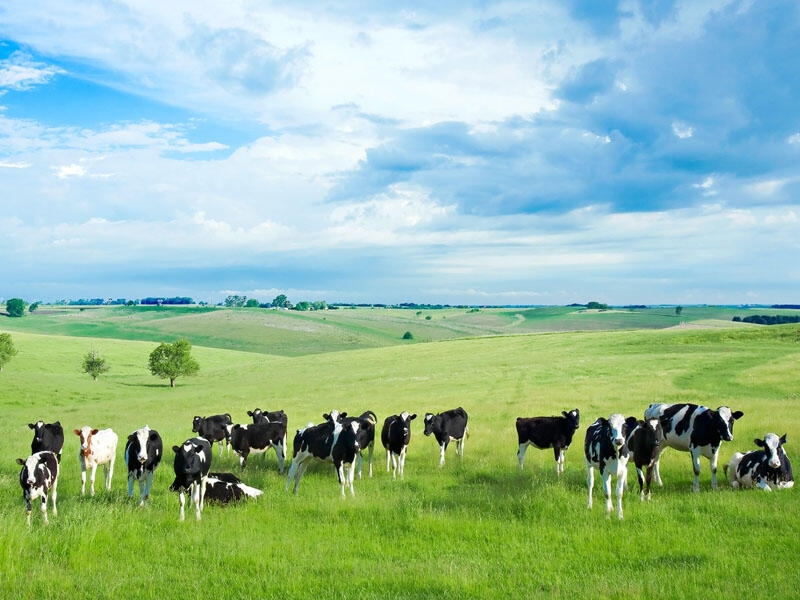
[[492, 153]]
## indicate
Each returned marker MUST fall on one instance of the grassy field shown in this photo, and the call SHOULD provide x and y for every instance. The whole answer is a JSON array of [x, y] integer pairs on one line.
[[475, 528]]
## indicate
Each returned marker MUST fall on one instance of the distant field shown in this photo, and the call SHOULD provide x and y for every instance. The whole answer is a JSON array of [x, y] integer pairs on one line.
[[476, 528], [291, 333]]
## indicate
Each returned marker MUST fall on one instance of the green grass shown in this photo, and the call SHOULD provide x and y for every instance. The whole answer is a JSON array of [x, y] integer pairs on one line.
[[475, 528]]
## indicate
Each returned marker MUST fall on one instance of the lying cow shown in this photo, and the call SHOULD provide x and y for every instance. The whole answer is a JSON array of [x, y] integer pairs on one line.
[[395, 437], [38, 478], [143, 452], [191, 466], [770, 465], [695, 429], [47, 436], [98, 447], [223, 488], [450, 425], [215, 428], [606, 451], [335, 440], [644, 440], [257, 438], [547, 432]]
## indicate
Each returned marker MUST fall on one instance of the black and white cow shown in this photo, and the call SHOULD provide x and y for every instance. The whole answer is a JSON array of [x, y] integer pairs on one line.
[[644, 439], [257, 438], [547, 432], [98, 447], [770, 465], [271, 416], [335, 440], [695, 429], [38, 478], [215, 428], [192, 463], [447, 426], [605, 450], [395, 437], [143, 452], [223, 488], [47, 436], [366, 439]]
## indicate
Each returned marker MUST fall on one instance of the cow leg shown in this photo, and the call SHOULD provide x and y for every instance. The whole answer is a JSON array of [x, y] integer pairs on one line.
[[696, 468], [196, 497], [350, 477], [441, 453], [54, 495], [91, 478], [402, 462], [640, 480], [648, 480], [622, 480], [243, 458], [359, 459], [109, 471], [369, 458], [521, 454], [657, 467], [605, 474], [388, 460], [203, 484], [28, 509], [83, 479], [460, 446], [558, 454], [44, 508], [131, 477], [183, 502], [144, 494], [590, 481], [340, 473], [280, 454], [713, 464]]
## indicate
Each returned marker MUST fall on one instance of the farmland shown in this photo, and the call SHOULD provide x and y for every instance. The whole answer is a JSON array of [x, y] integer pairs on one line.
[[475, 528]]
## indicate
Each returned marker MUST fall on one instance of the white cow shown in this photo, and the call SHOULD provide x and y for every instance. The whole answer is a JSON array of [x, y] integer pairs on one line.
[[98, 447]]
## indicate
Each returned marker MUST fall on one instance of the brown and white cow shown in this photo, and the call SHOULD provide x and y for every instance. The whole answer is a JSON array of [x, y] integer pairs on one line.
[[98, 447]]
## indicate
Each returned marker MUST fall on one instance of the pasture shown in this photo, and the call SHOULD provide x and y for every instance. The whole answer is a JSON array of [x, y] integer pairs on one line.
[[475, 528]]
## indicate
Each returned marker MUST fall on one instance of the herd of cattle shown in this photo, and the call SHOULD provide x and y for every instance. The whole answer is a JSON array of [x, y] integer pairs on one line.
[[610, 443]]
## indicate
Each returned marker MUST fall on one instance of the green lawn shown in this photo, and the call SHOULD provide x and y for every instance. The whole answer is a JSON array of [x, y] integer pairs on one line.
[[476, 528]]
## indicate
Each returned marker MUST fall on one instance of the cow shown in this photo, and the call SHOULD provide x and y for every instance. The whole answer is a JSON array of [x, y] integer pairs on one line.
[[255, 438], [695, 429], [335, 440], [143, 452], [214, 428], [770, 465], [448, 426], [191, 466], [47, 436], [98, 447], [547, 432], [366, 439], [644, 439], [223, 488], [605, 449], [38, 478], [395, 437], [271, 416]]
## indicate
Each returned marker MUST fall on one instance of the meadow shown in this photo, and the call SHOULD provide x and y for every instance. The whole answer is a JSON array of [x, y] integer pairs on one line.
[[476, 528]]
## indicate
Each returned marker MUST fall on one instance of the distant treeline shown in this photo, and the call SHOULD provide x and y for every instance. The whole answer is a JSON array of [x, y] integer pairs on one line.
[[768, 319], [159, 301]]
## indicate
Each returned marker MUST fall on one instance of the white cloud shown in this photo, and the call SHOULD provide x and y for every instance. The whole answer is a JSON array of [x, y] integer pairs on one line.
[[67, 171], [20, 72], [682, 130]]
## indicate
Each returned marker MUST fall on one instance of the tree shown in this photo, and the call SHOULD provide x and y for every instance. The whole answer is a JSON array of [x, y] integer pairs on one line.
[[408, 336], [33, 307], [251, 303], [235, 301], [678, 310], [94, 364], [281, 301], [7, 350], [15, 307], [170, 361]]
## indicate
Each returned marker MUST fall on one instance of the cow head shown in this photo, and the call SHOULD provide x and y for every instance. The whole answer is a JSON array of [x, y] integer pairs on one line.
[[38, 428], [196, 423], [85, 433], [771, 445], [31, 467], [430, 423], [616, 423], [334, 416], [143, 436], [573, 417], [724, 421], [255, 414], [188, 458]]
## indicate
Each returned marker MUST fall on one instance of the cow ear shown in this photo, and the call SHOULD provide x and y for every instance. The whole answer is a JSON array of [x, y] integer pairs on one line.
[[412, 417], [175, 449], [20, 461], [565, 414], [76, 431], [759, 443], [737, 415], [94, 431], [783, 439], [153, 435], [249, 413], [31, 426]]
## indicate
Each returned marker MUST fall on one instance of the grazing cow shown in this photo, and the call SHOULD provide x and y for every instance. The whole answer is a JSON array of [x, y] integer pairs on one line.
[[98, 447], [214, 428], [335, 440], [255, 438], [547, 432], [223, 488], [605, 449], [143, 452], [271, 416], [395, 436], [644, 439], [39, 476], [770, 465], [366, 438], [192, 463], [694, 429], [47, 436], [448, 426]]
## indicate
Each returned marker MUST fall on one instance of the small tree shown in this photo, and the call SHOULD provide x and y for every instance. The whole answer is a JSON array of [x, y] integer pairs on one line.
[[15, 307], [94, 364], [33, 307], [678, 310], [170, 361], [408, 335], [251, 303], [7, 350], [281, 301]]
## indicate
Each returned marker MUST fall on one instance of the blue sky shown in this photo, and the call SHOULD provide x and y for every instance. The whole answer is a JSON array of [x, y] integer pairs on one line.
[[537, 152]]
